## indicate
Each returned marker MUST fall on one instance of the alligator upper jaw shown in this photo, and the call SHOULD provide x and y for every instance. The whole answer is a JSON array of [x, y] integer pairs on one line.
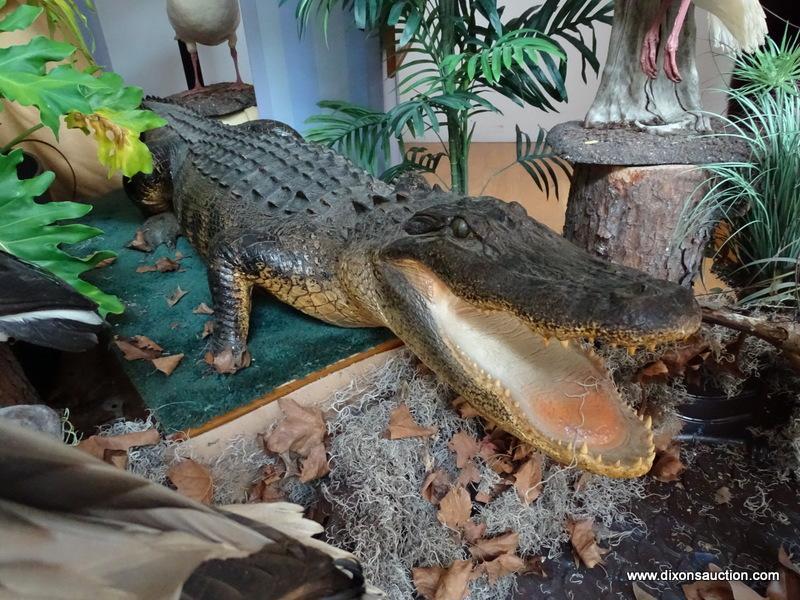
[[556, 396]]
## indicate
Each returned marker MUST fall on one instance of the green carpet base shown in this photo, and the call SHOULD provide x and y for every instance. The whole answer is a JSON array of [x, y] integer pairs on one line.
[[285, 344]]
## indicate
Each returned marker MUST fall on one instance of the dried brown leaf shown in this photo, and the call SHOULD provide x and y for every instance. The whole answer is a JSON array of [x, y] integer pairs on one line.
[[139, 242], [162, 265], [654, 371], [192, 479], [528, 479], [268, 488], [97, 445], [493, 547], [473, 531], [435, 486], [167, 364], [402, 425], [316, 465], [640, 594], [455, 508], [584, 542], [583, 481], [503, 565], [436, 583], [668, 466], [176, 296], [208, 329], [788, 586], [723, 495], [106, 262], [225, 363], [300, 431], [203, 309], [138, 347], [469, 474], [464, 408], [118, 458], [465, 447]]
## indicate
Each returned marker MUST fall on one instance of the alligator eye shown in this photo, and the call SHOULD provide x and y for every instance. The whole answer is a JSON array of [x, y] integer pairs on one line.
[[460, 227]]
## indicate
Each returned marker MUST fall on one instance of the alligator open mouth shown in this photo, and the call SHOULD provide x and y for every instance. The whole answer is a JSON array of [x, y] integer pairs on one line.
[[554, 394]]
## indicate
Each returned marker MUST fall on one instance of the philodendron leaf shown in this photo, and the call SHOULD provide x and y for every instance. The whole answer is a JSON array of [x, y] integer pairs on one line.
[[29, 231], [116, 123], [21, 18], [24, 79], [117, 134], [101, 105]]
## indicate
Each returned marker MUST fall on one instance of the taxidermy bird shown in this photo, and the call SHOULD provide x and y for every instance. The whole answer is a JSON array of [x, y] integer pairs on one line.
[[734, 26], [37, 307], [76, 527], [205, 22]]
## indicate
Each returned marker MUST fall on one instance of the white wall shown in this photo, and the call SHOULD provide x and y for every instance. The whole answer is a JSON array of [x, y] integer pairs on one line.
[[142, 48], [492, 127]]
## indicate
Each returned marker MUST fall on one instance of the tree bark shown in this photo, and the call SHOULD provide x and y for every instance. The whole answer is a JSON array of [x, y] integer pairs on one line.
[[626, 95], [14, 385], [629, 215]]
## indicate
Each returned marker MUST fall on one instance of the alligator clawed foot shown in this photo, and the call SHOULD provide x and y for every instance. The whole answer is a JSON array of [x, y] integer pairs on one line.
[[227, 361]]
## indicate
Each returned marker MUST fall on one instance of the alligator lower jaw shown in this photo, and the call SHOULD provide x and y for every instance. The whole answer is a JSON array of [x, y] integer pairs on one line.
[[557, 397]]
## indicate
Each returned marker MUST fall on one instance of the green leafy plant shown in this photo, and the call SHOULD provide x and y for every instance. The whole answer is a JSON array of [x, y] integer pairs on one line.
[[457, 51], [755, 204], [98, 103]]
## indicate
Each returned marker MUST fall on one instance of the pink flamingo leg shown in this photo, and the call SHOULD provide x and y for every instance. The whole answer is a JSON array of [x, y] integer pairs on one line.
[[649, 54], [670, 61], [235, 57]]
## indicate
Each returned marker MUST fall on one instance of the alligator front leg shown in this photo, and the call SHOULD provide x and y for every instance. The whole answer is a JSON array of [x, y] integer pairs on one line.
[[234, 265]]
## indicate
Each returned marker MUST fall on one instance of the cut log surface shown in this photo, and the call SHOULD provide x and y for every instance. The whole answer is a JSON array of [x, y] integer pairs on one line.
[[629, 215], [14, 386]]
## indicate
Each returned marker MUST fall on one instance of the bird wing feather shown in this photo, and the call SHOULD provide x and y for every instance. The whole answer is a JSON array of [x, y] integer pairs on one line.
[[72, 526], [735, 25]]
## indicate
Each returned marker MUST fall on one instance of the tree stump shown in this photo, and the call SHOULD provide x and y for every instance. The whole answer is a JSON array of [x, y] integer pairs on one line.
[[629, 190], [629, 215], [14, 385]]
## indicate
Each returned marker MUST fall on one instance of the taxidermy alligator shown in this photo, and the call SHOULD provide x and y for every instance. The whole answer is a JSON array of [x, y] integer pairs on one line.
[[473, 286]]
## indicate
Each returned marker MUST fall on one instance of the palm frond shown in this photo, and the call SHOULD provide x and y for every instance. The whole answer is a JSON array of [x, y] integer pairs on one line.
[[416, 159], [538, 160]]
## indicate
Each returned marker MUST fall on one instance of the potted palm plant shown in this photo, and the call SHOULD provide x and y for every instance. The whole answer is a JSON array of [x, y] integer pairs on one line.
[[457, 55]]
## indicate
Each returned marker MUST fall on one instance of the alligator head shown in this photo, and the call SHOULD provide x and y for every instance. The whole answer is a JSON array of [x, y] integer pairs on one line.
[[506, 312]]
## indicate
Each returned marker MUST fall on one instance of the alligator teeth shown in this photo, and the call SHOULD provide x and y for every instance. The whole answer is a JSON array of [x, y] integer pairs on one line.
[[584, 449], [570, 447], [507, 393], [590, 340], [599, 458], [546, 341], [631, 350], [651, 347], [648, 422], [618, 463], [639, 463], [565, 343]]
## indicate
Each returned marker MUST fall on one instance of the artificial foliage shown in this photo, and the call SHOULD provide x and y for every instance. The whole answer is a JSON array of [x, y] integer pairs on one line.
[[100, 104], [34, 232], [755, 203], [456, 54]]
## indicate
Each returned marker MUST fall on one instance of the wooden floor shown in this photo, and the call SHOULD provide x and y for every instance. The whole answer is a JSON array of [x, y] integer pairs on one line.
[[493, 172]]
